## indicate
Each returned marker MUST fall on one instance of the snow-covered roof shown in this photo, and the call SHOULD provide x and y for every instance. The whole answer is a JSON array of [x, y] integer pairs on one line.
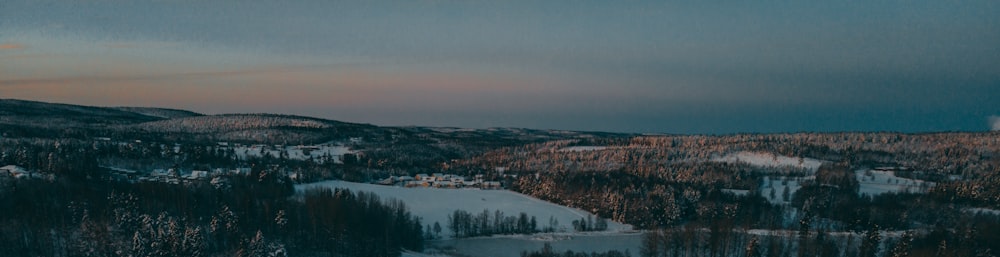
[[13, 169]]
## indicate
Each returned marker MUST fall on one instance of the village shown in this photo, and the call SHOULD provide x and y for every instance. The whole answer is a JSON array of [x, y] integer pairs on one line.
[[440, 180]]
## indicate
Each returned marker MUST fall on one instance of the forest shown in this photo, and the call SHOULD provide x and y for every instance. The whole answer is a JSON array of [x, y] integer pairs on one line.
[[248, 216]]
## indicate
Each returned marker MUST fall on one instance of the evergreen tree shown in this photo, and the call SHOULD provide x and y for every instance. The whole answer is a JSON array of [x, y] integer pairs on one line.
[[753, 247], [258, 246], [902, 248], [870, 243], [193, 244]]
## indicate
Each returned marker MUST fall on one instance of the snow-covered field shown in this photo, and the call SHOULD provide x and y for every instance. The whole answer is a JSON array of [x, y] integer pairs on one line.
[[317, 152], [770, 160], [779, 184], [876, 182], [435, 204]]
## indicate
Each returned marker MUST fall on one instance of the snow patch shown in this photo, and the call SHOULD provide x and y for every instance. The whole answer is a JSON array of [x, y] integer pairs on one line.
[[737, 192], [770, 160], [779, 185], [977, 210], [876, 182]]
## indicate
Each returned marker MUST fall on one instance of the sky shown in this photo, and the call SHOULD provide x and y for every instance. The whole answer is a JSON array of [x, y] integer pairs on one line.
[[622, 66]]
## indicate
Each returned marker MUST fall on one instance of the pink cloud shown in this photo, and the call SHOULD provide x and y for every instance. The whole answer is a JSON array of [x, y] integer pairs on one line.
[[11, 46]]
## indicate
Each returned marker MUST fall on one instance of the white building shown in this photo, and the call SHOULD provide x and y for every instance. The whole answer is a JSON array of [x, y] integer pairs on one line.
[[15, 171]]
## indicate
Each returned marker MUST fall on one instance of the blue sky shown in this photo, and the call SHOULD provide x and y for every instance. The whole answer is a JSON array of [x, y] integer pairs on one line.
[[631, 66]]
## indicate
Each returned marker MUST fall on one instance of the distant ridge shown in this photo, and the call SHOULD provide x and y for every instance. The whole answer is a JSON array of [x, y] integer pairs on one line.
[[160, 112], [236, 122], [22, 112]]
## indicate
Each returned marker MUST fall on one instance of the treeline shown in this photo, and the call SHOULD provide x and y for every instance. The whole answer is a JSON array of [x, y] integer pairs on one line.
[[547, 251], [465, 224], [981, 191], [249, 216], [965, 154], [973, 236], [718, 241], [589, 224]]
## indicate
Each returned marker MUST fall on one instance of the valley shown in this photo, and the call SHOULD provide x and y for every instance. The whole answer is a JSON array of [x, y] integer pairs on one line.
[[178, 182]]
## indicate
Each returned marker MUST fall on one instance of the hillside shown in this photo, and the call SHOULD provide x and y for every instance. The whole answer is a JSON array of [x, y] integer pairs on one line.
[[32, 113], [160, 112]]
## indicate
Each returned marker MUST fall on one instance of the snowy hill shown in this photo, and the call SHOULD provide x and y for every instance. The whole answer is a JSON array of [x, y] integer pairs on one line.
[[160, 112], [435, 204], [234, 122], [32, 113]]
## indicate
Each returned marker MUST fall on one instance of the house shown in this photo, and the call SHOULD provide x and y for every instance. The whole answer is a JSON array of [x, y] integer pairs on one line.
[[388, 181], [241, 171], [15, 171], [457, 179], [404, 178], [491, 185], [159, 173], [424, 177], [439, 177], [444, 184], [198, 174], [417, 183]]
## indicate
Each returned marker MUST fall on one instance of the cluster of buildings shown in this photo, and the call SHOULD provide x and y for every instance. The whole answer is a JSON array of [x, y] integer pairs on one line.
[[440, 180], [173, 176]]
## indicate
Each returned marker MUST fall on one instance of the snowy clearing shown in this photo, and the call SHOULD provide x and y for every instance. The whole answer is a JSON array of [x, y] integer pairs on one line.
[[770, 160], [876, 182], [316, 152], [435, 204], [779, 185]]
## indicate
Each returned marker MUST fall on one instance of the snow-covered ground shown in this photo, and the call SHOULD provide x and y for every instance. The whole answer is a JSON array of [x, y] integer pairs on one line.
[[317, 152], [977, 210], [876, 182], [582, 148], [779, 184], [435, 204], [770, 160]]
